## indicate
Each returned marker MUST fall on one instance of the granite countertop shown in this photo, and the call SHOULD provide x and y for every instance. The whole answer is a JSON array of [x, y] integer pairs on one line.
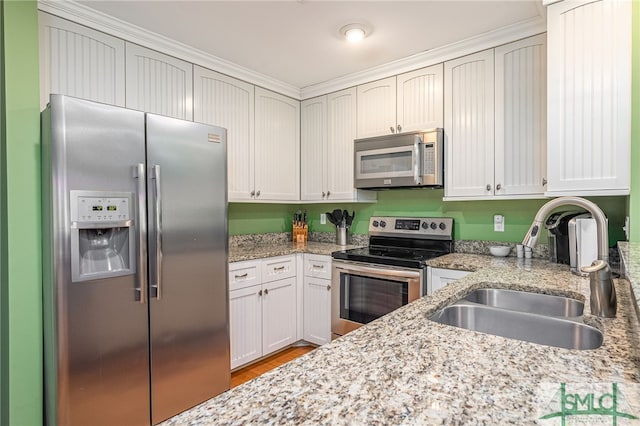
[[475, 262], [260, 251], [630, 257], [406, 369]]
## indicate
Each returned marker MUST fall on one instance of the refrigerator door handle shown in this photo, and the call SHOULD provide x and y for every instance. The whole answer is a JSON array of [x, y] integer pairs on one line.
[[139, 174], [158, 221]]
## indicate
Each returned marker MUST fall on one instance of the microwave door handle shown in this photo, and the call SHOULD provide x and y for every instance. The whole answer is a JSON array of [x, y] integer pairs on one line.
[[417, 161]]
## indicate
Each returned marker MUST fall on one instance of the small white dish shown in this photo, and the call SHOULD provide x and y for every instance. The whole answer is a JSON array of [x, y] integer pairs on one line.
[[500, 251]]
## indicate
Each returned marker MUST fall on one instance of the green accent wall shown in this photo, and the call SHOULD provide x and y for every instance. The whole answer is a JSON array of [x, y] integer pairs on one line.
[[4, 343], [634, 199], [473, 220], [21, 303]]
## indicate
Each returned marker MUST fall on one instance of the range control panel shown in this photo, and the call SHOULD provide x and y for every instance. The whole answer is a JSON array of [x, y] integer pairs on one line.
[[417, 227]]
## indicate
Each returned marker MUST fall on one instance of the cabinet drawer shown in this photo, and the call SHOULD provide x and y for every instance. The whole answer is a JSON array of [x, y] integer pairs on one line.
[[317, 266], [277, 268], [244, 274]]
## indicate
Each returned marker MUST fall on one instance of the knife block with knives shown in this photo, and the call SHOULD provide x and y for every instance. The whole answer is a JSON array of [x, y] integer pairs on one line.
[[300, 228]]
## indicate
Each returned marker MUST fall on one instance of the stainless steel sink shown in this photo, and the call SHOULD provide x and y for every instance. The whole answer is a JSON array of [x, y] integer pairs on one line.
[[523, 301], [544, 330]]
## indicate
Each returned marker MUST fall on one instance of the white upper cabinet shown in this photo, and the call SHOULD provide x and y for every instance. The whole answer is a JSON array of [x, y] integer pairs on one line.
[[404, 103], [520, 117], [419, 99], [313, 149], [377, 108], [589, 114], [277, 146], [328, 125], [495, 122], [81, 62], [341, 125], [469, 121], [158, 83], [226, 102]]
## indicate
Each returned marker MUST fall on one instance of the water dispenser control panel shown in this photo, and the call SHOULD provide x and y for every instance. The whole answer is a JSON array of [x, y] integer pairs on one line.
[[102, 235], [102, 209]]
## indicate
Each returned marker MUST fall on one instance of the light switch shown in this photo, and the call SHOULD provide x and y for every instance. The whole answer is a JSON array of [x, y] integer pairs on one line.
[[323, 218], [498, 223]]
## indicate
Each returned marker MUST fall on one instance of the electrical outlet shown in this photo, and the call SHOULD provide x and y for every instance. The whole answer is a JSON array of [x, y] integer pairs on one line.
[[498, 223], [323, 218]]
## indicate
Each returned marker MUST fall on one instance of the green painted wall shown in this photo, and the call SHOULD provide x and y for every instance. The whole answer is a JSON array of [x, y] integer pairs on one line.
[[473, 219], [21, 262], [4, 335], [634, 199]]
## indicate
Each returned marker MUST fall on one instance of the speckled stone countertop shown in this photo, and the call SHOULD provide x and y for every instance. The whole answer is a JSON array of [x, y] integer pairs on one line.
[[260, 251], [406, 369], [630, 256], [475, 262]]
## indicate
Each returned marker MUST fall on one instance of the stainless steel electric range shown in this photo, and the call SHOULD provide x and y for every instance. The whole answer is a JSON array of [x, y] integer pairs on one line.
[[370, 282]]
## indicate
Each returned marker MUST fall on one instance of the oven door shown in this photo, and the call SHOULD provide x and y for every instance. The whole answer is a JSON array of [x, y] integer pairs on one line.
[[362, 292]]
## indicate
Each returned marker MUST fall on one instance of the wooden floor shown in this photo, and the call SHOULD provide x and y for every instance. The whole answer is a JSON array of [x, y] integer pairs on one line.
[[254, 370]]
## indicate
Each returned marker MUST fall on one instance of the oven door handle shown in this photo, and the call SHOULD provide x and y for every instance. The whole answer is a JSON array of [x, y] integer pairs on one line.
[[380, 271]]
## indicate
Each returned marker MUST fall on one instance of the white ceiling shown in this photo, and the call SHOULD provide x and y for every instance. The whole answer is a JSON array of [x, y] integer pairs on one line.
[[298, 42]]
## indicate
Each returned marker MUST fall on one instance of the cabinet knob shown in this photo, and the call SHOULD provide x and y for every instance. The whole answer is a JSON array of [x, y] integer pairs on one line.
[[323, 194], [488, 187], [498, 186], [544, 181], [258, 193], [392, 129], [260, 293], [328, 287], [399, 128], [328, 193], [266, 291], [253, 193]]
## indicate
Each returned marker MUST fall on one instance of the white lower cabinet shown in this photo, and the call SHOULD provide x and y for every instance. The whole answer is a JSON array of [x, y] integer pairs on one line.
[[438, 278], [262, 307], [278, 314], [317, 299]]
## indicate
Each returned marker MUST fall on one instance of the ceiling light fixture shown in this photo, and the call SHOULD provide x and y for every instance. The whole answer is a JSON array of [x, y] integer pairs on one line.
[[354, 33]]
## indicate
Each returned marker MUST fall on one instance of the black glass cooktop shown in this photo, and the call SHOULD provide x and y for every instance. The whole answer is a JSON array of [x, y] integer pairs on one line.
[[397, 252]]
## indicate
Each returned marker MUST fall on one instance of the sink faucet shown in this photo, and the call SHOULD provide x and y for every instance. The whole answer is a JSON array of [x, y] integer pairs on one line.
[[603, 294]]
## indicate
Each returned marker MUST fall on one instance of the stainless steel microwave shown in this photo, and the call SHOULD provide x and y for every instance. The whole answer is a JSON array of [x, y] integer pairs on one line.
[[400, 160]]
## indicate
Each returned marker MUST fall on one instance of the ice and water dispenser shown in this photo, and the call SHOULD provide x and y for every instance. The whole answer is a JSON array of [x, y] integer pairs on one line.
[[102, 235]]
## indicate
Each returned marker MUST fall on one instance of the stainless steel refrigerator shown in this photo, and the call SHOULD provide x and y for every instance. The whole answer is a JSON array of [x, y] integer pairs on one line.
[[135, 255]]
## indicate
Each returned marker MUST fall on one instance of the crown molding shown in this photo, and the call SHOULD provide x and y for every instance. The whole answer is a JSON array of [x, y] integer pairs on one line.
[[455, 50], [97, 20]]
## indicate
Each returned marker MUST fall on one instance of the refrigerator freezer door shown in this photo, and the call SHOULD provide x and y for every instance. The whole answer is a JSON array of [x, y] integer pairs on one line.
[[96, 330], [188, 300]]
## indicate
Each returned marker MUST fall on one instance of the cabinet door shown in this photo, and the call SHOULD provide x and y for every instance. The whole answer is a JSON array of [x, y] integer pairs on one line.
[[438, 278], [317, 310], [158, 83], [377, 108], [469, 121], [226, 102], [341, 119], [78, 61], [420, 104], [589, 114], [278, 314], [245, 325], [521, 112], [277, 147], [313, 149]]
